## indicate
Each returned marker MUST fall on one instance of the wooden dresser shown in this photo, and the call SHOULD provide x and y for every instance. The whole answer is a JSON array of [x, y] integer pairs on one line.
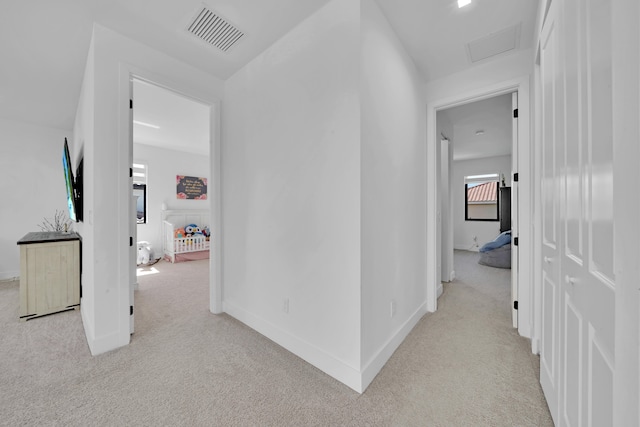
[[49, 273]]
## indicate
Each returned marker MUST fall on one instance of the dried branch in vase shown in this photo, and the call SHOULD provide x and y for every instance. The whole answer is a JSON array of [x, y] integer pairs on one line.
[[60, 222]]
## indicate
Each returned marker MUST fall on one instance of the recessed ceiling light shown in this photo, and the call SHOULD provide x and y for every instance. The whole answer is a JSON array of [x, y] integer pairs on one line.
[[463, 3], [146, 124], [479, 132]]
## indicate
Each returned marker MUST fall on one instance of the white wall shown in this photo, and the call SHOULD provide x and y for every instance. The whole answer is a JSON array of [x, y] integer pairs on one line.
[[291, 196], [393, 191], [324, 192], [464, 231], [162, 167], [102, 128], [83, 132], [32, 184]]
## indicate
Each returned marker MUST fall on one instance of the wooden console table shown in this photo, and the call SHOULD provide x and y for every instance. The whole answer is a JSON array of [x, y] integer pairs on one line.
[[49, 273]]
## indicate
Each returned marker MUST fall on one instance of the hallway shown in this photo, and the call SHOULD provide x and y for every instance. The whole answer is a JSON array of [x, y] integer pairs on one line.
[[478, 369], [461, 366]]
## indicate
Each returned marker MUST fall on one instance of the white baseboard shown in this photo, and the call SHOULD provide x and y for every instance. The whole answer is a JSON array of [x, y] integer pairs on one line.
[[104, 343], [440, 289], [452, 276], [467, 247], [375, 364], [87, 323], [327, 363], [535, 346], [338, 369]]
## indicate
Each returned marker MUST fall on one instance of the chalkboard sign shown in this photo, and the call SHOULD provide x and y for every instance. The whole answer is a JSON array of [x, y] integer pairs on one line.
[[191, 187]]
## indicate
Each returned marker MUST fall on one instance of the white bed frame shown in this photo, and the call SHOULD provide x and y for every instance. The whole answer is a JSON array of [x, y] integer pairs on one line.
[[172, 219]]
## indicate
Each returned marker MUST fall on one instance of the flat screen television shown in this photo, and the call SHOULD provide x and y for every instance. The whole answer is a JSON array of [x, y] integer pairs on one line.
[[69, 182]]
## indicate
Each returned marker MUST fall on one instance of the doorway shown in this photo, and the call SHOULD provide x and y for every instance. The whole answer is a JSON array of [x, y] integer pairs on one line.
[[523, 162], [172, 134], [476, 153]]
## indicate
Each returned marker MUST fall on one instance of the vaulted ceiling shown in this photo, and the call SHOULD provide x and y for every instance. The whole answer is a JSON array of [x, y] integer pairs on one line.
[[44, 43]]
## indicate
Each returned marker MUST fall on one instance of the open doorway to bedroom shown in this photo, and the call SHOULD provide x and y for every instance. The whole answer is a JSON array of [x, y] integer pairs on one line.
[[476, 144], [171, 171]]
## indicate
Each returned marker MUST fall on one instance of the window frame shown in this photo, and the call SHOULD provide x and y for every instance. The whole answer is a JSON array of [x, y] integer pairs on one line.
[[479, 180], [140, 171], [142, 187]]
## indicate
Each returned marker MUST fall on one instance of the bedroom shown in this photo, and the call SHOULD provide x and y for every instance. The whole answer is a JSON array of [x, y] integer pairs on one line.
[[170, 140], [479, 144]]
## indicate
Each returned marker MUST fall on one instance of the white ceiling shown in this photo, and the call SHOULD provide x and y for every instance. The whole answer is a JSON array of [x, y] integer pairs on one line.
[[44, 43], [183, 123], [492, 116], [436, 32]]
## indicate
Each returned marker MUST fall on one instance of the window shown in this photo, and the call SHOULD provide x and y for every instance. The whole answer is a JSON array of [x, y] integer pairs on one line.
[[140, 190], [481, 197]]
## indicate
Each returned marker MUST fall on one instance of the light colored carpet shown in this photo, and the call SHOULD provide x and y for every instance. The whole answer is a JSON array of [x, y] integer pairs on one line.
[[463, 365]]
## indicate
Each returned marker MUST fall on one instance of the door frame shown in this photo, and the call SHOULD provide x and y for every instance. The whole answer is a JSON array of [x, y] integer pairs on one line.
[[129, 72], [525, 168]]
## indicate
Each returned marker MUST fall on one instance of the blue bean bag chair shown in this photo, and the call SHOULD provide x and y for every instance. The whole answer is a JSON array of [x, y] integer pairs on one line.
[[502, 239], [498, 257]]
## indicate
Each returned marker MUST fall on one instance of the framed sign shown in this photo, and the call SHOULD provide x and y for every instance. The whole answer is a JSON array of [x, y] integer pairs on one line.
[[191, 187]]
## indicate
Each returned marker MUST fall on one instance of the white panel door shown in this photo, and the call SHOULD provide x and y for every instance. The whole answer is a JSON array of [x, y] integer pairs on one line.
[[587, 256], [552, 106], [578, 279]]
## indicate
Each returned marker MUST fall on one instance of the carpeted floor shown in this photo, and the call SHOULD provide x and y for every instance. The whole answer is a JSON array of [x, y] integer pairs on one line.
[[461, 366]]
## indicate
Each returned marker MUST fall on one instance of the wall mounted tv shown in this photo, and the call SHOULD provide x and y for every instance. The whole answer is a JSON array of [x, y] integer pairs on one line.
[[73, 186]]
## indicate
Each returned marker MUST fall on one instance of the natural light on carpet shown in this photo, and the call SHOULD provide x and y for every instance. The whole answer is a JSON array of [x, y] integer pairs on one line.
[[146, 271]]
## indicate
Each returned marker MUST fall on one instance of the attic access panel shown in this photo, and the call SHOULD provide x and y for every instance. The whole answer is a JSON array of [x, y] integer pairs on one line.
[[494, 44]]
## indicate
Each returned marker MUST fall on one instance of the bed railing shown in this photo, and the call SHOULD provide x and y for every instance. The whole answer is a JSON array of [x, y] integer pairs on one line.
[[180, 245]]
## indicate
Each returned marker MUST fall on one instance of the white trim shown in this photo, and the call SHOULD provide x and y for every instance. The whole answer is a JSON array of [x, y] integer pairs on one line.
[[104, 343], [376, 363], [626, 228], [329, 364], [336, 368], [536, 212], [216, 284]]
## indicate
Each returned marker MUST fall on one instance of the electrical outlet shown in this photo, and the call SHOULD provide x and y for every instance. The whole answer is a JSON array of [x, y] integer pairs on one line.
[[393, 308], [285, 305]]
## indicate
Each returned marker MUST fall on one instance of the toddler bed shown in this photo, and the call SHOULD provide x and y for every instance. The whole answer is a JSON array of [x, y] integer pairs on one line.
[[177, 244]]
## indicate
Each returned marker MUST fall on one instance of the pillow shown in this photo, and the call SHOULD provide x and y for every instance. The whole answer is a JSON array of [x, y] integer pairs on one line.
[[501, 240]]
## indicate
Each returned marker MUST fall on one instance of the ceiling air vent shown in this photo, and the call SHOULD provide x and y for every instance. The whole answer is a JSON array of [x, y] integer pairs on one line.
[[215, 30]]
